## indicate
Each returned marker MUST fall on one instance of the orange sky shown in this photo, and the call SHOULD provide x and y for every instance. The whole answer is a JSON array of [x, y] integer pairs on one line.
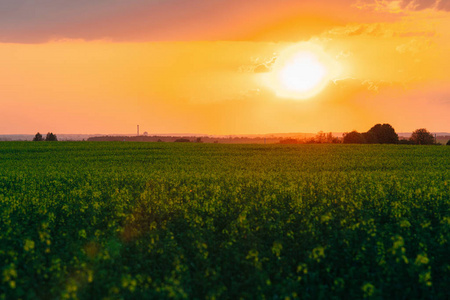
[[198, 66]]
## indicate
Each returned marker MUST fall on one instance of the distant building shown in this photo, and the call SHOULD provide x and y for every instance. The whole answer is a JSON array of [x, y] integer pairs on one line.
[[145, 133]]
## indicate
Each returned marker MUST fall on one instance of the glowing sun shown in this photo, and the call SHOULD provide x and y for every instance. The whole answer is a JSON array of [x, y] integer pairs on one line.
[[300, 72]]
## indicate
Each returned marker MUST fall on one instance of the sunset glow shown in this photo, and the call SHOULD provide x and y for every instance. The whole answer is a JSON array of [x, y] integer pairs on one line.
[[300, 72], [224, 67]]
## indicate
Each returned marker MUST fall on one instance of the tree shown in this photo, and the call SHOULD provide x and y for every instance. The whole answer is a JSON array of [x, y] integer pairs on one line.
[[38, 137], [370, 137], [330, 138], [51, 137], [320, 137], [448, 143], [354, 137], [182, 140], [422, 137], [405, 142], [383, 134]]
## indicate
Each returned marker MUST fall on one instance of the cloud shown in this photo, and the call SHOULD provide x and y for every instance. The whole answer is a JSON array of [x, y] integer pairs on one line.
[[430, 33], [259, 65], [344, 54], [414, 46], [31, 21], [401, 6], [381, 30], [444, 5], [374, 30], [355, 85], [37, 21]]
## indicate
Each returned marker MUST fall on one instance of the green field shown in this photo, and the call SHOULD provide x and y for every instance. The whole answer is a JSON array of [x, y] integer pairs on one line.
[[211, 221]]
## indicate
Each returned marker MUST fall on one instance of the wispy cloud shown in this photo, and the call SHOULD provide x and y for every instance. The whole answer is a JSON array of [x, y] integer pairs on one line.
[[401, 6], [259, 64], [354, 84], [382, 30], [414, 46]]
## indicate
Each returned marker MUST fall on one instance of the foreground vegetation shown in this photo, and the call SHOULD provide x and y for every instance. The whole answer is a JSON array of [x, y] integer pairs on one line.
[[157, 220]]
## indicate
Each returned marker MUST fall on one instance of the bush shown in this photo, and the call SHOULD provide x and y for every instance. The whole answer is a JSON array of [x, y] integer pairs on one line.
[[354, 137], [38, 137], [405, 142], [422, 137], [382, 134], [51, 137], [182, 141]]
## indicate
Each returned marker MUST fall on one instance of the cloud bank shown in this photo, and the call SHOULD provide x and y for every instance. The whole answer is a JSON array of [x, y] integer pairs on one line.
[[37, 21]]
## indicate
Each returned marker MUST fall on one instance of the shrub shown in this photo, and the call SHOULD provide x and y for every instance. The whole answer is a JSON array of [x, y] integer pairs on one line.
[[422, 137], [182, 140], [51, 137], [354, 137], [38, 137]]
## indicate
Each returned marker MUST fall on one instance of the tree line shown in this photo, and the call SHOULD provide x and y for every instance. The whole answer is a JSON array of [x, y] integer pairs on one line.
[[49, 138], [385, 134], [378, 134]]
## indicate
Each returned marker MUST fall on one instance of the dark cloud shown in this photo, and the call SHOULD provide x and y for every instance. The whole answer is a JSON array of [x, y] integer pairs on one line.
[[32, 21], [444, 5], [422, 4], [42, 20]]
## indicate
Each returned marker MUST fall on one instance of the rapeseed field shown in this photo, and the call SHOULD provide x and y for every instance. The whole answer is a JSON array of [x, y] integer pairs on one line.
[[111, 220]]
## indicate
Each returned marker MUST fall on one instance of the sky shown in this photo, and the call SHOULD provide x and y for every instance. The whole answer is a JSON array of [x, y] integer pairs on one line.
[[223, 66]]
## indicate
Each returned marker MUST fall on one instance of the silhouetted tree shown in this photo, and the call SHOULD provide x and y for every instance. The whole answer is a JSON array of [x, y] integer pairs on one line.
[[405, 142], [320, 137], [422, 137], [330, 138], [51, 137], [370, 137], [383, 134], [182, 140], [38, 137], [354, 137], [448, 143]]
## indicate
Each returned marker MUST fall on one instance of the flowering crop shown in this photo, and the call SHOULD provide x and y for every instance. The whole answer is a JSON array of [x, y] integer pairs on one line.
[[159, 220]]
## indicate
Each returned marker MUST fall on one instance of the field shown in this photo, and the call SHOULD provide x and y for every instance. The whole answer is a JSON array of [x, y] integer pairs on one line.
[[211, 221]]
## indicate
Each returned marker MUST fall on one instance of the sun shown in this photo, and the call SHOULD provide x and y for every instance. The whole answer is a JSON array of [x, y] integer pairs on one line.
[[300, 72]]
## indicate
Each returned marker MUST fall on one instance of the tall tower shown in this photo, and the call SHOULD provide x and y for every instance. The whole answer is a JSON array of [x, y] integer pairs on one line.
[[138, 130]]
